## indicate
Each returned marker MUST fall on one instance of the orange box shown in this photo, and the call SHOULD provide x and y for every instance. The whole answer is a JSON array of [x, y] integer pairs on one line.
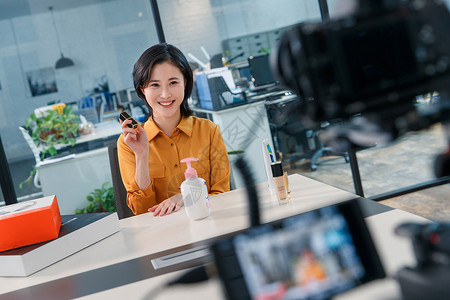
[[29, 222]]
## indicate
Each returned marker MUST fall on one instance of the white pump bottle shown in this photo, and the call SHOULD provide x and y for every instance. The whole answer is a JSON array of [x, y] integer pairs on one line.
[[194, 192]]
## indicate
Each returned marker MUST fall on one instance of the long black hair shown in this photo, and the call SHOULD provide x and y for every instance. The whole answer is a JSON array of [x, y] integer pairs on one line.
[[158, 54]]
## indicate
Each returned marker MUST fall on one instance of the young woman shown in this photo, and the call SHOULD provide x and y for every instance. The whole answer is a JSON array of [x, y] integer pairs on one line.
[[149, 157]]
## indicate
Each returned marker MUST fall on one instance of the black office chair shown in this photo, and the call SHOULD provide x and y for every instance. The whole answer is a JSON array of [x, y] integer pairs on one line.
[[284, 119], [222, 96], [120, 193]]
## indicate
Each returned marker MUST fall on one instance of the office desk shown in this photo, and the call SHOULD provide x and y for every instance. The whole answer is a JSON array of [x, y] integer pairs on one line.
[[103, 134], [109, 268], [71, 180]]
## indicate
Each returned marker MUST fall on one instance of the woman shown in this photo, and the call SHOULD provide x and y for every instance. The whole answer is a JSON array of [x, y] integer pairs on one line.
[[149, 157]]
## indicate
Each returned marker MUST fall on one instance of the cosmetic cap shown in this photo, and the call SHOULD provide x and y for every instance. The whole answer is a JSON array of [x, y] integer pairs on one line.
[[277, 169]]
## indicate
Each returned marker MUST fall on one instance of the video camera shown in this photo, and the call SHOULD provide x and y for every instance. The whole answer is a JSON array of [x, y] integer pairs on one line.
[[430, 279], [372, 63], [368, 68]]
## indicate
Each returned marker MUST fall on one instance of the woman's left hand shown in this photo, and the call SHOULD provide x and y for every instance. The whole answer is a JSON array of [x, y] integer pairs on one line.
[[168, 206]]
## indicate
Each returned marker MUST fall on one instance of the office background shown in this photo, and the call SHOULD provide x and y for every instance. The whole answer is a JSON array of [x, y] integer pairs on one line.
[[104, 39]]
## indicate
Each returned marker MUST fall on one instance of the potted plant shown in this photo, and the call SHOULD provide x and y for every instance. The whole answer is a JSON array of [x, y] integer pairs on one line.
[[59, 126], [55, 127], [101, 200]]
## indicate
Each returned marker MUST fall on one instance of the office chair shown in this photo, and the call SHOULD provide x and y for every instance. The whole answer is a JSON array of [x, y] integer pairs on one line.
[[222, 96], [284, 119], [120, 193]]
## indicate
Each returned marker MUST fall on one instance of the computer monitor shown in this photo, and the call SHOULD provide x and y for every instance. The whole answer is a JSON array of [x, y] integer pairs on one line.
[[133, 97], [122, 98], [262, 76]]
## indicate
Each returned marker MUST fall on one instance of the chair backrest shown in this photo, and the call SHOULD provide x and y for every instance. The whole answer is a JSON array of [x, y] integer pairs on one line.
[[221, 95], [120, 193]]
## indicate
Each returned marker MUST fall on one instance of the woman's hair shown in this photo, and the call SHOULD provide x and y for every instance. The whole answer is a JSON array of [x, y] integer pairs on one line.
[[158, 54]]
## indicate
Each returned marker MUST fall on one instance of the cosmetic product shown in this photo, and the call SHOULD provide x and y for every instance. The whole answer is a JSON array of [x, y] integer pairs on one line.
[[280, 183], [194, 192], [125, 116]]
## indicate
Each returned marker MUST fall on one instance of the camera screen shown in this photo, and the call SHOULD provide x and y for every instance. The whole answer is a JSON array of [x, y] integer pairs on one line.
[[311, 256], [379, 57]]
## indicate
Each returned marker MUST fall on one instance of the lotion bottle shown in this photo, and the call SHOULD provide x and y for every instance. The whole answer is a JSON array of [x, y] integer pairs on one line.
[[280, 183], [194, 192]]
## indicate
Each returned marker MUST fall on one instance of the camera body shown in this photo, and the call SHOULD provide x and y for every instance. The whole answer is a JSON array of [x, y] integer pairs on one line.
[[430, 278], [374, 62]]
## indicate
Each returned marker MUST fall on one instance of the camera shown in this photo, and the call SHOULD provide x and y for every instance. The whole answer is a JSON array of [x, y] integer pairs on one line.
[[313, 255], [373, 64], [430, 278], [368, 69]]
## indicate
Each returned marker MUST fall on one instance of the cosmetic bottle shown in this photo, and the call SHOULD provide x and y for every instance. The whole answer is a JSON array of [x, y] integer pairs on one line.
[[194, 192], [279, 183]]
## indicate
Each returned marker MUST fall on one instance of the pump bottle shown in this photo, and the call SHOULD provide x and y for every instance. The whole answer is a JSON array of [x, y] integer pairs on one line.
[[194, 192]]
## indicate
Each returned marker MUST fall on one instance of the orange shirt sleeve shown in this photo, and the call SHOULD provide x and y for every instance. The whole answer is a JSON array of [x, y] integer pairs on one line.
[[220, 164], [137, 200]]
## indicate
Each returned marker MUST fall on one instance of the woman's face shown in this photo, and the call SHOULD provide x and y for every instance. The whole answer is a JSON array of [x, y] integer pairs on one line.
[[165, 91]]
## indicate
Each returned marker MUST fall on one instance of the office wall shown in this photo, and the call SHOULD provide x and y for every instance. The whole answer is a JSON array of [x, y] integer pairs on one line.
[[102, 39]]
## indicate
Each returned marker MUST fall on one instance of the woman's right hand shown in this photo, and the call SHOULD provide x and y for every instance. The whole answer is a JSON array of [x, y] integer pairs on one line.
[[135, 139]]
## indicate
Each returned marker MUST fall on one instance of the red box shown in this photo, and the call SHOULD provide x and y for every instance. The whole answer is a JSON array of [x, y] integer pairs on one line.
[[29, 222]]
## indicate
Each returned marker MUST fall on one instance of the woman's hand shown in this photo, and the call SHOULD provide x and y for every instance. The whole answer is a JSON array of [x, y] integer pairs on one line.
[[135, 139], [168, 206]]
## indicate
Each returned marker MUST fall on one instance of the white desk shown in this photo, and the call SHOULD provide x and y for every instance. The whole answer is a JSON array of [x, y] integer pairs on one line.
[[102, 131], [143, 235], [73, 179]]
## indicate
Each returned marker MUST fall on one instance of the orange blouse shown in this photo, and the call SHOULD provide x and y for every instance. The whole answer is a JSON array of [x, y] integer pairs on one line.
[[193, 136]]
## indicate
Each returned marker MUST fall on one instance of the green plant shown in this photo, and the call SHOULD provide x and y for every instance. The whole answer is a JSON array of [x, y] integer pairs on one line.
[[265, 50], [101, 200], [55, 127]]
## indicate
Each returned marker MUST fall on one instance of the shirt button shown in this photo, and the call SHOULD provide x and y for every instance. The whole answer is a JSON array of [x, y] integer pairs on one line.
[[176, 165], [171, 144], [176, 130]]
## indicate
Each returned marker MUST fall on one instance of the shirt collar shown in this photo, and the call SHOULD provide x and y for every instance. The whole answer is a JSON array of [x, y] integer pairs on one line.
[[153, 130], [186, 125]]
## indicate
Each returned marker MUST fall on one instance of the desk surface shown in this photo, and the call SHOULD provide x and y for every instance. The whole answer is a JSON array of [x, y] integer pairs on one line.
[[102, 130], [143, 235], [105, 131]]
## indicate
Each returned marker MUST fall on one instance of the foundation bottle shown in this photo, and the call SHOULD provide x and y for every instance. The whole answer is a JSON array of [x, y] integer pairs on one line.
[[279, 183]]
